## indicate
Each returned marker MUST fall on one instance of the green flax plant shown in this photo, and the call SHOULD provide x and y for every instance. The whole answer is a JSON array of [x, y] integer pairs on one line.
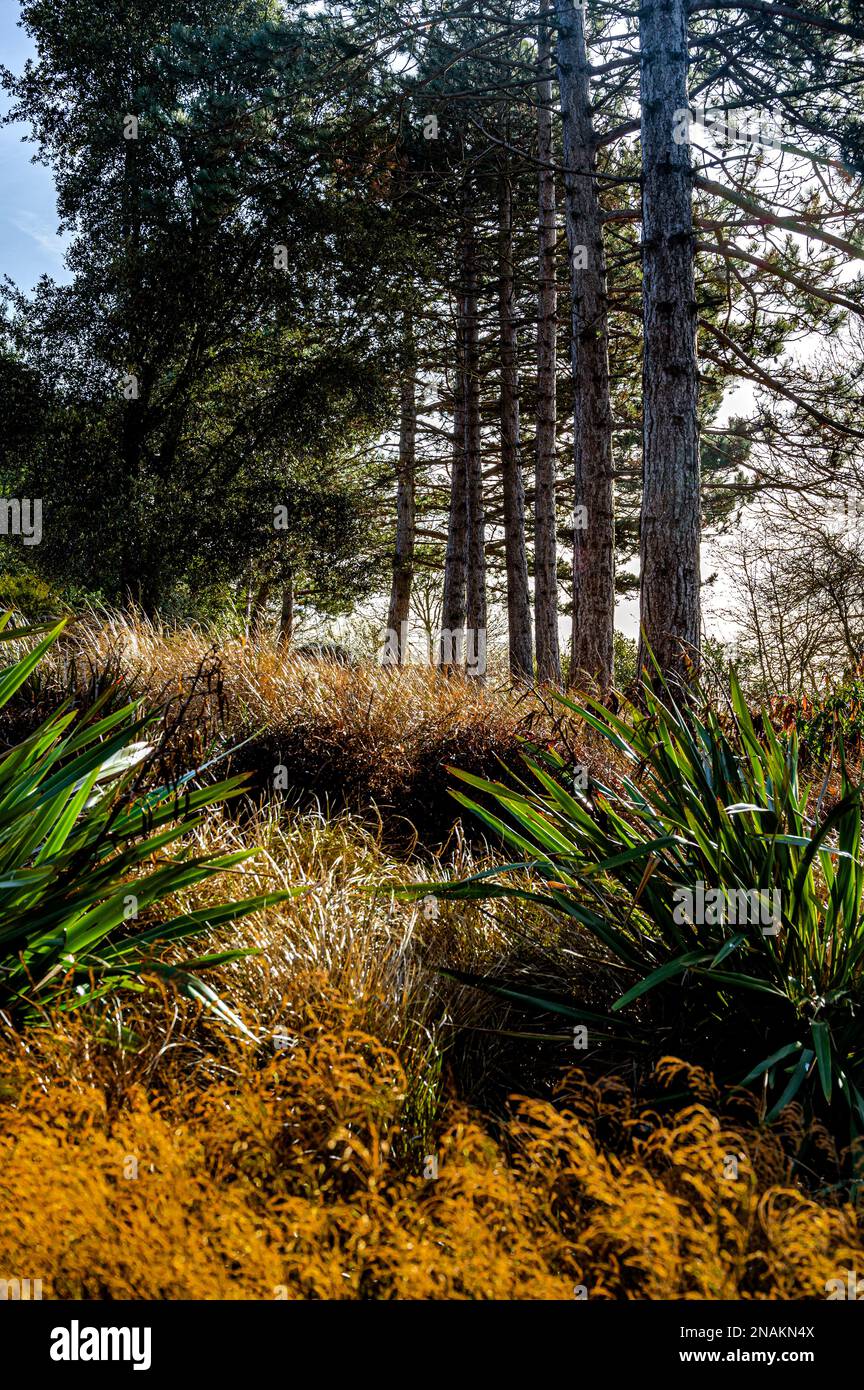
[[718, 885], [89, 862]]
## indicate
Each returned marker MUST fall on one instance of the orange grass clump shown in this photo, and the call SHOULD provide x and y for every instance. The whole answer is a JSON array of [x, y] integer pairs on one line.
[[250, 1175], [352, 737]]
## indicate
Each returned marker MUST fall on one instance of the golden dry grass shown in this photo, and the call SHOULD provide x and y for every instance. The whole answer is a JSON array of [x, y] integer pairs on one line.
[[353, 738], [348, 929], [345, 924], [262, 684]]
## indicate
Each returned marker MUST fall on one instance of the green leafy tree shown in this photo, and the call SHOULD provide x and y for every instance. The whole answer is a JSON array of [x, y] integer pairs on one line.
[[203, 358]]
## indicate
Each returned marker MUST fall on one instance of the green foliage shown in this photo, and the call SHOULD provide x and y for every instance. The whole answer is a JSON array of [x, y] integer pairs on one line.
[[27, 594], [823, 721], [705, 801], [84, 858], [625, 652], [189, 378]]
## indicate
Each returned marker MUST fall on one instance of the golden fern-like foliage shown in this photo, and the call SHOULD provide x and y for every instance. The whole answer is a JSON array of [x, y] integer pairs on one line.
[[241, 1175]]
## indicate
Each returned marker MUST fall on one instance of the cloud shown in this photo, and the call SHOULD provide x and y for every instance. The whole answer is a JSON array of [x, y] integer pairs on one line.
[[40, 232]]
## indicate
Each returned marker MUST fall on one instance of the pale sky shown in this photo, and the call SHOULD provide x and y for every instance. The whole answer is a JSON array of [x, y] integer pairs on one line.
[[29, 244]]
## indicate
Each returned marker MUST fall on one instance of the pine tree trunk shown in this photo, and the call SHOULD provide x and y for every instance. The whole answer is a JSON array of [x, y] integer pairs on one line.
[[248, 598], [594, 530], [518, 597], [671, 521], [456, 558], [139, 572], [403, 556], [259, 607], [475, 578], [286, 614], [545, 520]]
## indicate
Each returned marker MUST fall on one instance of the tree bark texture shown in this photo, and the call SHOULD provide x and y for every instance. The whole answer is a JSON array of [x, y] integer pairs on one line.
[[671, 515], [475, 579], [545, 464], [518, 596], [403, 555], [591, 660]]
